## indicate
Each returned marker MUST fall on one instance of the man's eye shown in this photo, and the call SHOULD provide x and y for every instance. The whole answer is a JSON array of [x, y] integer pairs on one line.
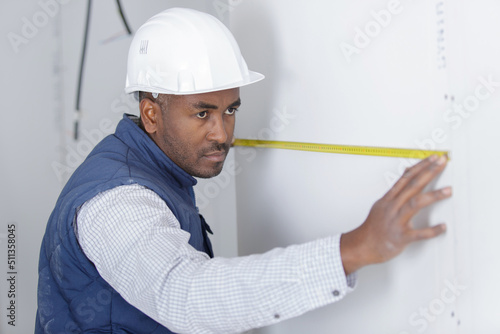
[[231, 111], [202, 114]]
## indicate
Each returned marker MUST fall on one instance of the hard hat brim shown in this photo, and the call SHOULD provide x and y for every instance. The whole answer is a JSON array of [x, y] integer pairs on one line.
[[250, 79]]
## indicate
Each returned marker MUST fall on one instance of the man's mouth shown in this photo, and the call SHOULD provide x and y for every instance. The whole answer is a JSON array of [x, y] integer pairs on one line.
[[217, 156]]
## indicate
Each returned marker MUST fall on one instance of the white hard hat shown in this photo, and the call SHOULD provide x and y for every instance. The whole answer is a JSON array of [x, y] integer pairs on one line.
[[183, 51]]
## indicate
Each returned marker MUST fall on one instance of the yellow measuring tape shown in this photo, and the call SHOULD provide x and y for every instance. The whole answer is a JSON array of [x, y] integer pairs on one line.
[[341, 149]]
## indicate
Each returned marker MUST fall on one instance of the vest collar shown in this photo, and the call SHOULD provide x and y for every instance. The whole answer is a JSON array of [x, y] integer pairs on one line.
[[129, 132]]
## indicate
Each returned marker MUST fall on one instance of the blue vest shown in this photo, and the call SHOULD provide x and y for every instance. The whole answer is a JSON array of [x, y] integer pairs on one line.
[[72, 296]]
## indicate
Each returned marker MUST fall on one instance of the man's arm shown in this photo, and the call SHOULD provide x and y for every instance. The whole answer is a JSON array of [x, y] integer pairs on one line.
[[146, 257], [138, 247], [388, 228]]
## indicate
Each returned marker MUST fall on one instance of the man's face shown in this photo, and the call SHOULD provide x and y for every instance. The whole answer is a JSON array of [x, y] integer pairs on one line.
[[195, 131]]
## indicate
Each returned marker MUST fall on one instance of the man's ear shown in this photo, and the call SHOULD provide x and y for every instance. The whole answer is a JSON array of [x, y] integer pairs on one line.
[[150, 115]]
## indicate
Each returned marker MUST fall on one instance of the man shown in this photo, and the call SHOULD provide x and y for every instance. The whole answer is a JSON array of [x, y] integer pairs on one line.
[[125, 249]]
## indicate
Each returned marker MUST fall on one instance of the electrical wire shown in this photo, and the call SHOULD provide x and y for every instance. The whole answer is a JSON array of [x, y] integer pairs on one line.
[[123, 17], [82, 63]]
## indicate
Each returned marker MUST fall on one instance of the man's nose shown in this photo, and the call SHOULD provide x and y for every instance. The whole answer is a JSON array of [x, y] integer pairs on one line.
[[217, 131]]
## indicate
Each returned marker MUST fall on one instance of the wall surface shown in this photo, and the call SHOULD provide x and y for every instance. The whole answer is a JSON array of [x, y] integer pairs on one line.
[[407, 74], [28, 132]]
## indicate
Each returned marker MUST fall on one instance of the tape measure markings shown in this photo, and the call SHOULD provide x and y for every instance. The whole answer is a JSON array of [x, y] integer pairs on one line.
[[341, 149]]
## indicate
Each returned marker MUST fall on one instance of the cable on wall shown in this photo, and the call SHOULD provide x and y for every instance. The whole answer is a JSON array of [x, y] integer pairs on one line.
[[123, 17], [80, 76], [82, 61]]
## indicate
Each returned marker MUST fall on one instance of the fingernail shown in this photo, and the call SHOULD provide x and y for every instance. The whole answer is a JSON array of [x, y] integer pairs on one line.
[[433, 158], [441, 160], [446, 191]]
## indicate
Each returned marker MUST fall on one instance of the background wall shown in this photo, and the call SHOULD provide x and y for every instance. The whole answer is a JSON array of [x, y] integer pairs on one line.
[[383, 73], [29, 131], [335, 73]]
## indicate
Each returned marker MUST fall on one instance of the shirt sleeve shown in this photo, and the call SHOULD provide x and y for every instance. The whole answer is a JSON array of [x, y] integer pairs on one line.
[[138, 247]]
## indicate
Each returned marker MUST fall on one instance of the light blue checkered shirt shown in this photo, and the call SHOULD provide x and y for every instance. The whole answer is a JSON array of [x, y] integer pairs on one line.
[[138, 247]]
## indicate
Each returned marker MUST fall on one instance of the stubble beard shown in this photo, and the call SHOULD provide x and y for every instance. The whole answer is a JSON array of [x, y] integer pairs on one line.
[[177, 153]]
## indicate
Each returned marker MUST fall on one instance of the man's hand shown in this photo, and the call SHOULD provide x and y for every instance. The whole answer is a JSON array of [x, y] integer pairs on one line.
[[388, 229]]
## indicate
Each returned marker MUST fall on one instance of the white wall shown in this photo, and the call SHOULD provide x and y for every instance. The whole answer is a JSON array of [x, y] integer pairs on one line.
[[29, 130], [395, 91], [475, 140]]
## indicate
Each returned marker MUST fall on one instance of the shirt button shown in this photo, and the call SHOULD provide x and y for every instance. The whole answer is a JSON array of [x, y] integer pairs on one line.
[[336, 293], [276, 316]]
